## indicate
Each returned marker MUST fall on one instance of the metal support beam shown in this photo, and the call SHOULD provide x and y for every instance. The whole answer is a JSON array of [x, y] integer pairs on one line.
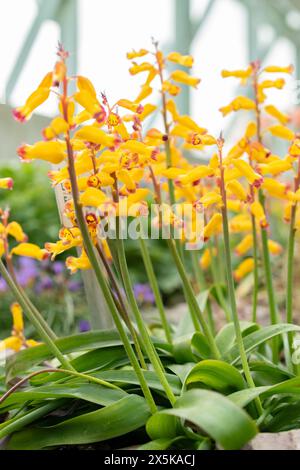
[[182, 45], [64, 12]]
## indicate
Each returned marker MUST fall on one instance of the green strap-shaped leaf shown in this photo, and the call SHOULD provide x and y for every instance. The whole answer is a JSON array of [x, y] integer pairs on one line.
[[229, 425], [217, 375], [118, 419], [84, 391], [225, 338], [253, 340]]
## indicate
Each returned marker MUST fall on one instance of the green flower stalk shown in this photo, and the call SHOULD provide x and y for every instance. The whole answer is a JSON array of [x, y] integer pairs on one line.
[[230, 281]]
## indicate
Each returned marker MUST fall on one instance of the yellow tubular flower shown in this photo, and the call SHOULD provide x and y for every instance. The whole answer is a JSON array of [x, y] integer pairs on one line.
[[17, 314], [240, 223], [238, 103], [29, 250], [57, 126], [135, 54], [96, 136], [183, 60], [38, 97], [279, 84], [234, 205], [244, 268], [15, 230], [236, 188], [210, 198], [282, 132], [91, 105], [274, 247], [205, 259], [245, 244], [53, 152], [274, 112], [242, 74], [170, 88], [258, 211], [190, 124], [247, 171], [294, 149], [275, 69], [144, 67], [146, 91], [182, 77], [6, 183], [213, 226], [92, 197], [2, 247], [125, 177], [196, 174], [144, 112], [251, 130], [275, 188], [73, 263], [276, 167]]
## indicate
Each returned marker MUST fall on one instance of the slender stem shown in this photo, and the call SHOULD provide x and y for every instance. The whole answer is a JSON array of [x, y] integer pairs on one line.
[[264, 233], [90, 378], [90, 250], [155, 288], [195, 311], [290, 275], [255, 270], [231, 291], [34, 320], [202, 286], [150, 350], [119, 301], [219, 292], [197, 315]]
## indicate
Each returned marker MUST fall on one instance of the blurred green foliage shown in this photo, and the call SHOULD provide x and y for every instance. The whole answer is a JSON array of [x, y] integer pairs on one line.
[[32, 201]]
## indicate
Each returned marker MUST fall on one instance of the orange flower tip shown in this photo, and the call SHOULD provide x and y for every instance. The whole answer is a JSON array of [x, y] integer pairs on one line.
[[19, 115], [165, 138], [264, 224], [140, 109]]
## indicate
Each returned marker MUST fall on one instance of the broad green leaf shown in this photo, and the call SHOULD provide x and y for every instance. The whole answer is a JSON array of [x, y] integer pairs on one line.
[[230, 426], [287, 418], [159, 444], [243, 397], [22, 419], [122, 417], [186, 326], [217, 375], [84, 391], [27, 358], [98, 359], [256, 338], [266, 373], [162, 425], [129, 377], [181, 370], [182, 350], [200, 346], [225, 339]]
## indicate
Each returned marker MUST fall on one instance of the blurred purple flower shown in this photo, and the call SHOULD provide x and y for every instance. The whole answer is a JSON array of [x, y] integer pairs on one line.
[[3, 285], [74, 285], [45, 283], [84, 325], [58, 267], [143, 293]]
